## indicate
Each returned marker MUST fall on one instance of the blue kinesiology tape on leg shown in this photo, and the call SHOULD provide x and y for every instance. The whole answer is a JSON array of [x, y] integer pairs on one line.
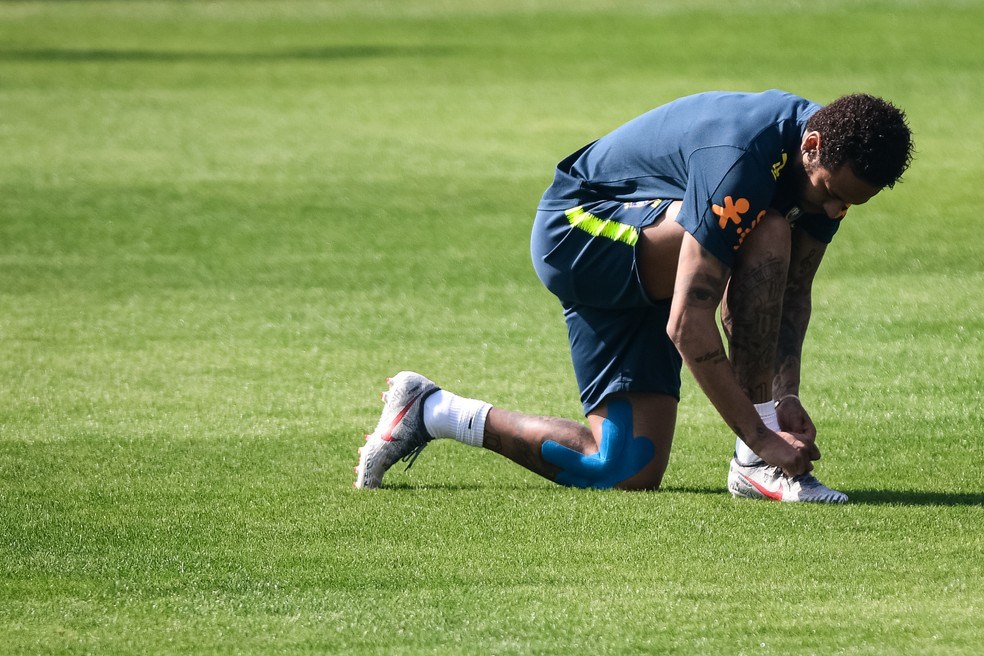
[[620, 457]]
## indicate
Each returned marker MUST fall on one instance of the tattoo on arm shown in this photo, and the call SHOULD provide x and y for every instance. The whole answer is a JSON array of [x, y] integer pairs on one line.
[[761, 432], [705, 290], [754, 311], [701, 292], [806, 258], [713, 357], [807, 266], [789, 353]]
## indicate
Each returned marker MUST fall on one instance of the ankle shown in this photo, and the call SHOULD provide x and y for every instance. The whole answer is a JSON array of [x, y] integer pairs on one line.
[[450, 416], [743, 454]]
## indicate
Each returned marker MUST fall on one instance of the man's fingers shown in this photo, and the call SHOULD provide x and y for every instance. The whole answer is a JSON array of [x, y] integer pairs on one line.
[[803, 450], [803, 469], [810, 442], [808, 452], [814, 451]]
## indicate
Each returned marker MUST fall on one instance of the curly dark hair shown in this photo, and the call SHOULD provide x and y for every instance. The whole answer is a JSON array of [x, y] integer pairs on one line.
[[868, 134]]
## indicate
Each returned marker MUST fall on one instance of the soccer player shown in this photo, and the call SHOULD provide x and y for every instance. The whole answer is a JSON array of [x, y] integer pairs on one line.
[[716, 199]]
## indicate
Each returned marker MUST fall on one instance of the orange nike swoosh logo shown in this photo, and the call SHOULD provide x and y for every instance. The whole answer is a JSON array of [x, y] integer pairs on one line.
[[772, 494], [388, 435]]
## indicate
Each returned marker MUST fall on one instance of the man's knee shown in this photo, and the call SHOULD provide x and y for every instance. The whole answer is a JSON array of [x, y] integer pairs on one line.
[[650, 477], [623, 460]]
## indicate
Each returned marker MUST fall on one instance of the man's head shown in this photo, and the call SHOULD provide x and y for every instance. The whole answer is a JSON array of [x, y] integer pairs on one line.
[[853, 148]]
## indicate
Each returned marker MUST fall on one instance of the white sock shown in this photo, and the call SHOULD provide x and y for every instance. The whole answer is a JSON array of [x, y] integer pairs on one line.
[[448, 415], [744, 455]]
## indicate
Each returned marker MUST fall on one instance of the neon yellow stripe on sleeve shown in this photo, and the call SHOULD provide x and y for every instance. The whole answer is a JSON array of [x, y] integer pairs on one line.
[[600, 227]]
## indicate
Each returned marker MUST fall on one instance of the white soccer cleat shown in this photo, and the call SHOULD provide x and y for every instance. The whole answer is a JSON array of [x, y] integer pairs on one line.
[[767, 482], [400, 432]]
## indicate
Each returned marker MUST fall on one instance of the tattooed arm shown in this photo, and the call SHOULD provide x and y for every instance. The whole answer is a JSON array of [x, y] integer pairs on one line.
[[701, 280], [805, 258]]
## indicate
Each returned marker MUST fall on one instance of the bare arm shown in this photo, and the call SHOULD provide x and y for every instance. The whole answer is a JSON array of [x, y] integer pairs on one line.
[[805, 258], [701, 281]]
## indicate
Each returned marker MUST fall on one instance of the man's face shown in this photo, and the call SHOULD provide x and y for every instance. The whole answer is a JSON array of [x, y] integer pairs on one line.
[[823, 191]]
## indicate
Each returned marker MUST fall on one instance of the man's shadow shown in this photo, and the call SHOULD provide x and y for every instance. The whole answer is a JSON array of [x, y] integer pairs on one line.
[[877, 497], [856, 497], [914, 498]]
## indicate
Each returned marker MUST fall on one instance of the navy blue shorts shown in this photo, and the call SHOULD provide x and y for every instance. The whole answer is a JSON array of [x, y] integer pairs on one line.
[[586, 256]]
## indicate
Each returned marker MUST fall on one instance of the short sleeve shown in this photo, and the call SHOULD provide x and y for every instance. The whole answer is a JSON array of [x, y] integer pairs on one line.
[[728, 192]]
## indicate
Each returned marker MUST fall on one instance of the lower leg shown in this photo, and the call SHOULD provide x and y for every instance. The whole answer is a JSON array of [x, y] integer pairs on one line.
[[517, 436], [627, 444], [520, 438]]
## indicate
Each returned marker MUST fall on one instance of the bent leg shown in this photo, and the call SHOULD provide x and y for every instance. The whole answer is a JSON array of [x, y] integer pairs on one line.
[[612, 266], [627, 446]]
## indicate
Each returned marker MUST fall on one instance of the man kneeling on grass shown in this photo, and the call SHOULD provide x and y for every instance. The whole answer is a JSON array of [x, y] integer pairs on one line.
[[715, 199]]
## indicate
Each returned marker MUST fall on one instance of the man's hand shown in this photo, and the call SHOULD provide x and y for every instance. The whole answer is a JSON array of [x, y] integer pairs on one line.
[[794, 418], [791, 452]]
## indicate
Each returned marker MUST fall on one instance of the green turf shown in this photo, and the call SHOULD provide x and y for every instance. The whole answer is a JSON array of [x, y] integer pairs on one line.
[[224, 223]]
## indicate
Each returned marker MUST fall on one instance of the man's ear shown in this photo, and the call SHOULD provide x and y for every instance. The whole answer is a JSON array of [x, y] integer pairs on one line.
[[811, 142]]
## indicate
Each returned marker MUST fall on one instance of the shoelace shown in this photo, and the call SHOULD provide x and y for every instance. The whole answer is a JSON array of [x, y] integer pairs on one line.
[[807, 480], [411, 457]]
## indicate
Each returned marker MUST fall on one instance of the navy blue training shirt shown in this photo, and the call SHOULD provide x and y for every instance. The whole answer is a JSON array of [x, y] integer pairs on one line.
[[725, 155]]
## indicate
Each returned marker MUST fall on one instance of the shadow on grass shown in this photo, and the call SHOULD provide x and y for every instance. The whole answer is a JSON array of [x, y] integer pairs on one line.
[[458, 487], [455, 487], [876, 497], [857, 497], [327, 53], [914, 498], [694, 490]]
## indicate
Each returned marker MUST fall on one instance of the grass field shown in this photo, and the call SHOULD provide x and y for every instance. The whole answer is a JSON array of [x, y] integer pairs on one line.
[[223, 224]]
